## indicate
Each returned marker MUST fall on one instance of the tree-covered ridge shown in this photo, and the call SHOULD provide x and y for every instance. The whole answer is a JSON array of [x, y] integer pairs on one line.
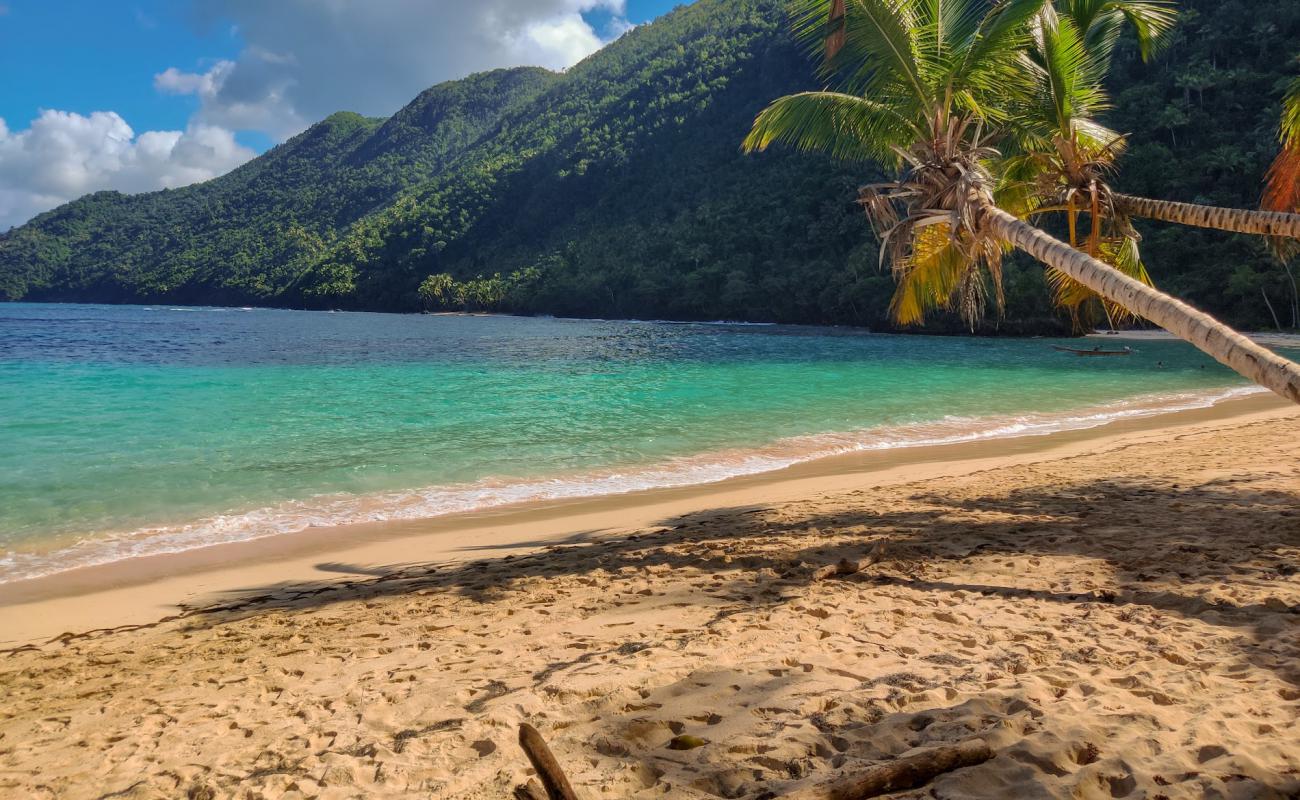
[[619, 189], [624, 185], [247, 236]]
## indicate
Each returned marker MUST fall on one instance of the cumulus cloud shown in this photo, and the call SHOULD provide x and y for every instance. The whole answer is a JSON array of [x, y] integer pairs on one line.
[[305, 59], [63, 155], [301, 61]]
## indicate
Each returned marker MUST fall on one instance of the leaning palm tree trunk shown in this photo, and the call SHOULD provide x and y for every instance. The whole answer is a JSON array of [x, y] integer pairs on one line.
[[1238, 220], [1222, 343]]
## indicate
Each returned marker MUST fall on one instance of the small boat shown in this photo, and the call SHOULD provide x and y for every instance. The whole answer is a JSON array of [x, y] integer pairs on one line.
[[1096, 351]]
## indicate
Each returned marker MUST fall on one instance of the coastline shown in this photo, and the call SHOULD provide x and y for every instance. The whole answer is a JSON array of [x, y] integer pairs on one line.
[[140, 591], [381, 507], [1114, 612]]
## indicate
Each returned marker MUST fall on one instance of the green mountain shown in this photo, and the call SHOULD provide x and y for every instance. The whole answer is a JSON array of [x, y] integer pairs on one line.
[[617, 189]]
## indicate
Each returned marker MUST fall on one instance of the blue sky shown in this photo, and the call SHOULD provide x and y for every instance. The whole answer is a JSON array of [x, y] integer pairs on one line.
[[101, 55], [140, 94]]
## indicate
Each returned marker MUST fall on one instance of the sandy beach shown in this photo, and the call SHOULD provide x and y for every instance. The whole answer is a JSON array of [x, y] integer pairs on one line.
[[1115, 611]]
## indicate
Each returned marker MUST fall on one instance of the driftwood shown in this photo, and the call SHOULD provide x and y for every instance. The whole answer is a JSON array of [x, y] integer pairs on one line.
[[548, 769], [530, 791], [903, 773], [847, 567]]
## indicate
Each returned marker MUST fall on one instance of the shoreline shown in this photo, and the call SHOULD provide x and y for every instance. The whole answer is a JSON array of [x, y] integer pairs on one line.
[[1114, 613], [424, 503], [140, 591]]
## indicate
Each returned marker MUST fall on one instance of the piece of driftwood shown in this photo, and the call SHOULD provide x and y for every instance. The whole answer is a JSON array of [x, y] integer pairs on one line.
[[903, 773], [548, 769], [530, 791], [847, 567]]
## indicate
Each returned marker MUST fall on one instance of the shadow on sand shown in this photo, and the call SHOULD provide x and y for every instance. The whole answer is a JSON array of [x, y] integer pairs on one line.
[[1158, 546]]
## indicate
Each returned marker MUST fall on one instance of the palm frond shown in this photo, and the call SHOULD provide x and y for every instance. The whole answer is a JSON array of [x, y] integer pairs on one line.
[[1018, 190], [929, 278], [873, 43], [1098, 140], [1083, 304], [1282, 192], [1102, 22], [834, 29], [998, 40], [1153, 21], [1067, 76], [944, 28], [1289, 130], [880, 43], [1282, 182], [840, 125]]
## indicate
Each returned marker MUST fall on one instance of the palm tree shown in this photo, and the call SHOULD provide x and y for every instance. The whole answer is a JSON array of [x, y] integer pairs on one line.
[[1278, 218], [1070, 58], [437, 290], [928, 85], [1236, 220], [1071, 155], [1100, 23]]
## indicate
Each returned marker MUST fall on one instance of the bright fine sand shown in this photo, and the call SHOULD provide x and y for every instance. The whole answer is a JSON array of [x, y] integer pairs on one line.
[[1116, 612]]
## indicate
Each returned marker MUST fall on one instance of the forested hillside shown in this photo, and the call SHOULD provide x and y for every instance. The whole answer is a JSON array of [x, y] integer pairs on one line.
[[617, 189]]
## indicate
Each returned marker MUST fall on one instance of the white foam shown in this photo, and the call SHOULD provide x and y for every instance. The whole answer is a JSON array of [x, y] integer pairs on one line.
[[340, 509]]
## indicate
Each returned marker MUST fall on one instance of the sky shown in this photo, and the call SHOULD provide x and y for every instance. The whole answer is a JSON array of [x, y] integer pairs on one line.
[[137, 95]]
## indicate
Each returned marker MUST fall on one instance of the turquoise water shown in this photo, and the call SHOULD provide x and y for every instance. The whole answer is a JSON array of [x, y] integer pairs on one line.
[[131, 430]]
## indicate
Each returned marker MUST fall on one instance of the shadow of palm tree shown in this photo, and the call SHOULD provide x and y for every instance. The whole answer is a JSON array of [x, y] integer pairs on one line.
[[1154, 548], [1217, 558]]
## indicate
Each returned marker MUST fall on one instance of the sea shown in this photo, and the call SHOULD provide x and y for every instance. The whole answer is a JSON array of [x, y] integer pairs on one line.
[[128, 431]]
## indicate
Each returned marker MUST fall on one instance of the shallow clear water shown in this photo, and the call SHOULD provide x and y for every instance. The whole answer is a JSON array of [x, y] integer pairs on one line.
[[127, 430]]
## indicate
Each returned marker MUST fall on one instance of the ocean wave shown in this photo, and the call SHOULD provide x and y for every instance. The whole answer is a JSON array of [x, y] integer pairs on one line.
[[436, 501]]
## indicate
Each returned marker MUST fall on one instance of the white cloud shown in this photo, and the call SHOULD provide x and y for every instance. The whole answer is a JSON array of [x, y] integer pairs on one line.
[[568, 39], [302, 60], [63, 155], [173, 81], [305, 59]]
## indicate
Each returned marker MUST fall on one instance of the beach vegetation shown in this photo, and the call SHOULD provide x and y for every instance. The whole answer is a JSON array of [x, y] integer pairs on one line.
[[480, 293]]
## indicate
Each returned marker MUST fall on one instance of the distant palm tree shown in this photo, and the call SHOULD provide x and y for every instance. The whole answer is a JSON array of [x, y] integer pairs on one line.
[[437, 290], [928, 85]]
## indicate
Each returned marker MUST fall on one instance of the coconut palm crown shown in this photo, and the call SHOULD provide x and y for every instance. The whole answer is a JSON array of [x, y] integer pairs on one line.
[[922, 85]]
